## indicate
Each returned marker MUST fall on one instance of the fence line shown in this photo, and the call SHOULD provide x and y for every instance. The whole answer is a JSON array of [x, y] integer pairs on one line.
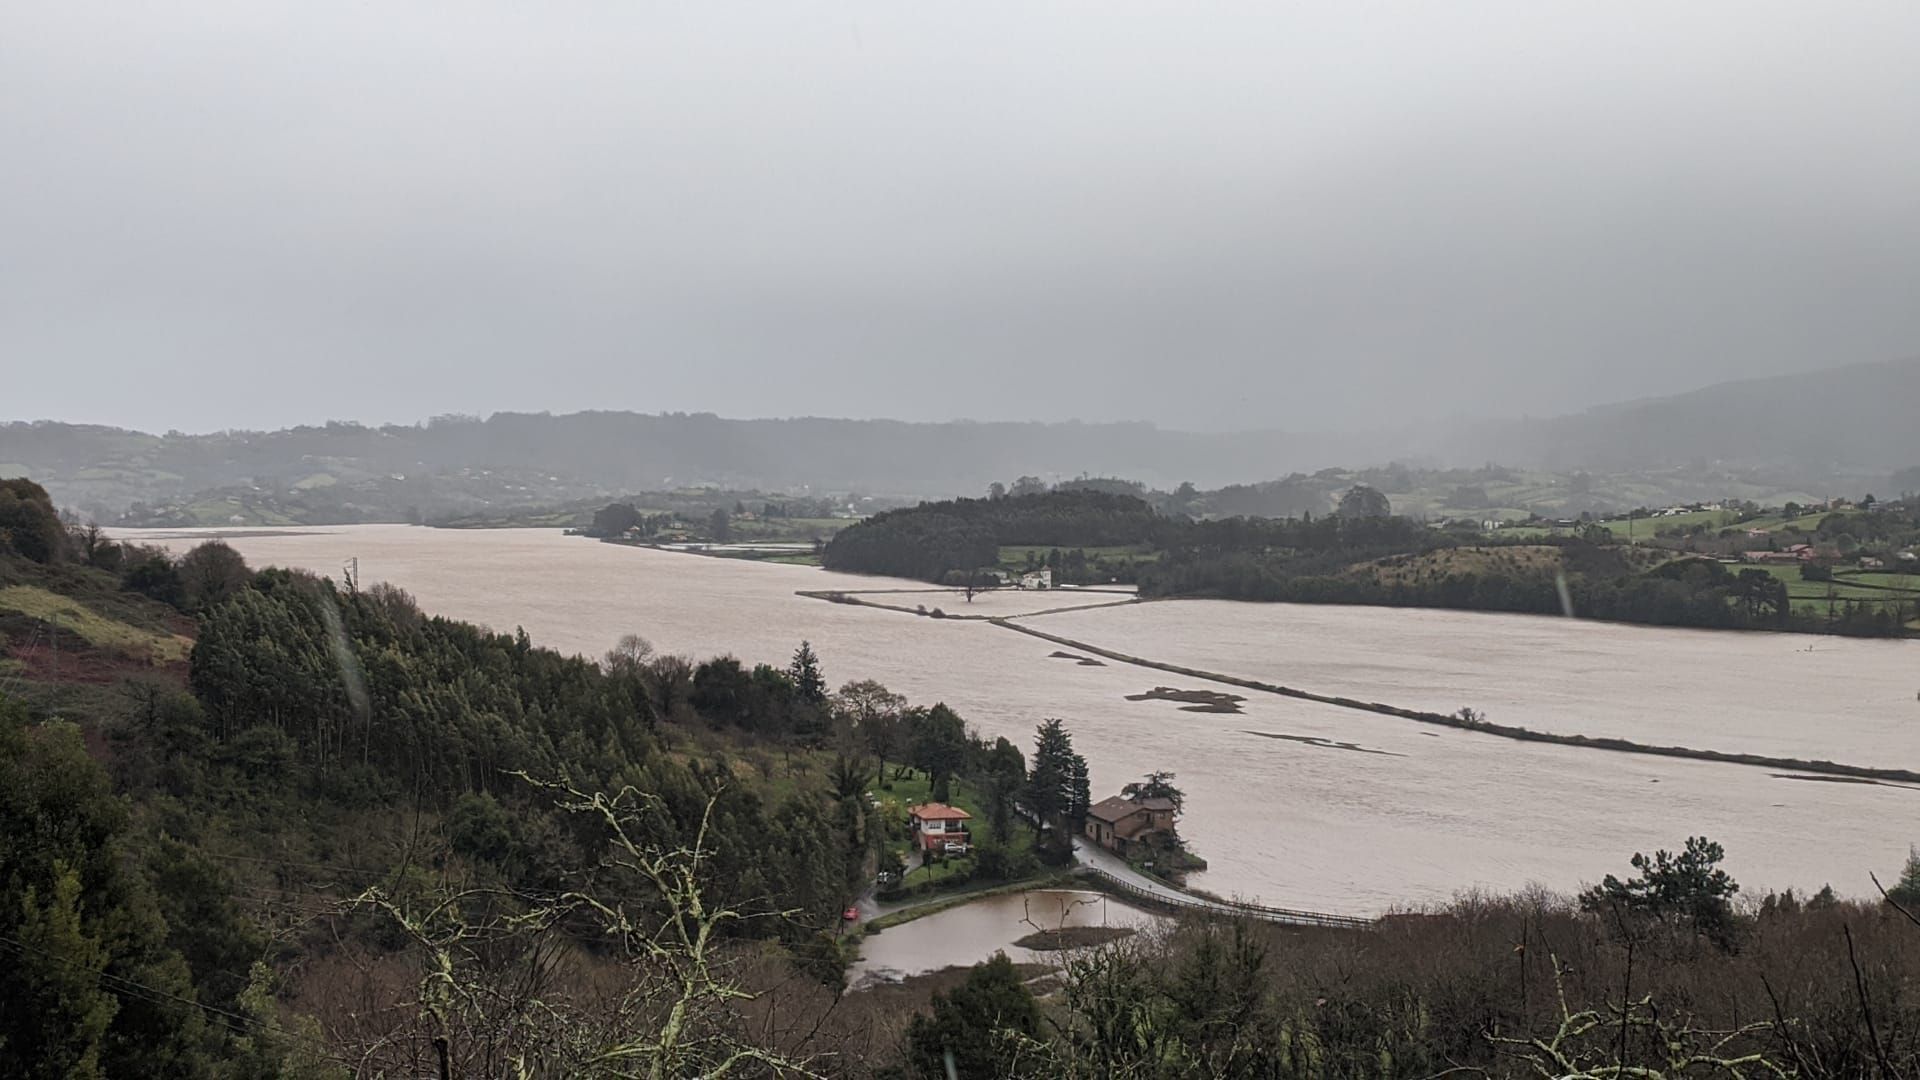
[[1228, 907]]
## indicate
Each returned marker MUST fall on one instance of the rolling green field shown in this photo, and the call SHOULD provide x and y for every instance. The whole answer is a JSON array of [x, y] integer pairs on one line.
[[1806, 522], [1892, 579], [233, 511], [788, 528], [1646, 528], [795, 560], [1845, 586], [1817, 590]]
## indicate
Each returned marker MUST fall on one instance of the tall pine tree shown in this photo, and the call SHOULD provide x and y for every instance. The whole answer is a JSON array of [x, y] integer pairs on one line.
[[808, 683], [1052, 790]]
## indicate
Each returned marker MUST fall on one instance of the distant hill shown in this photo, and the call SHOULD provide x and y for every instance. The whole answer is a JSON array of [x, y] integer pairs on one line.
[[350, 472], [1844, 430], [1850, 424]]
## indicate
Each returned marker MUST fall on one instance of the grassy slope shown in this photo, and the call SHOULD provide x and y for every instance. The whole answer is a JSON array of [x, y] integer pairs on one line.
[[90, 604], [74, 624], [99, 631]]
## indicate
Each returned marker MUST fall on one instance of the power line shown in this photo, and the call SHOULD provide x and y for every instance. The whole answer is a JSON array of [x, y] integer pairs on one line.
[[156, 995]]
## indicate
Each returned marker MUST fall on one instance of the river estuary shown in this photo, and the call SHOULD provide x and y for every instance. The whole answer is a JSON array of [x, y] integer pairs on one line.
[[1293, 803]]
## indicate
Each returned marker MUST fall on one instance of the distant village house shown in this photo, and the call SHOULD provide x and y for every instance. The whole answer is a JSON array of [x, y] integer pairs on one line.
[[1796, 553]]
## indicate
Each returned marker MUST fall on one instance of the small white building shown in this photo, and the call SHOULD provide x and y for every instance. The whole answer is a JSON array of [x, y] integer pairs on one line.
[[1037, 579]]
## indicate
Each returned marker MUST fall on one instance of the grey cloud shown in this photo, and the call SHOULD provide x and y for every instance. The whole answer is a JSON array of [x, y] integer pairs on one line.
[[1207, 216]]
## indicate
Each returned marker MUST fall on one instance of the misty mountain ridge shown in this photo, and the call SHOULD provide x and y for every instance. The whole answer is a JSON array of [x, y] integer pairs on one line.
[[1846, 427], [1851, 422]]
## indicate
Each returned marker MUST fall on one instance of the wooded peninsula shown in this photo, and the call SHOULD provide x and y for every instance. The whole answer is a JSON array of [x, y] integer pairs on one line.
[[1725, 578]]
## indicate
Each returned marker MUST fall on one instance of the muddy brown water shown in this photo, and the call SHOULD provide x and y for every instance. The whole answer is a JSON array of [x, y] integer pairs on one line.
[[1294, 821], [972, 932]]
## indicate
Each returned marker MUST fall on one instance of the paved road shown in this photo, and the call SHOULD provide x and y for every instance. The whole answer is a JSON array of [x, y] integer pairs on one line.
[[1095, 857], [871, 907], [1090, 854]]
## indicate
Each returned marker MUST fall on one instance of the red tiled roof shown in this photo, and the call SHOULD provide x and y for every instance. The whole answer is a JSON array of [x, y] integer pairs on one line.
[[934, 811]]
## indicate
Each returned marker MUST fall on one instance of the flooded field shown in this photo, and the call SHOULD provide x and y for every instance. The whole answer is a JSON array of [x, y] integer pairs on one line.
[[996, 603], [1850, 700], [1293, 803], [972, 932]]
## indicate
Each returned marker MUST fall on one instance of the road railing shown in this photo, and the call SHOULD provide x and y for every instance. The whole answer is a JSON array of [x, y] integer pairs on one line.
[[1188, 902]]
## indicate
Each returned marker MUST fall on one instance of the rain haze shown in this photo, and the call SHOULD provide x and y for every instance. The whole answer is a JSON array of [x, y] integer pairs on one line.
[[923, 541], [254, 214]]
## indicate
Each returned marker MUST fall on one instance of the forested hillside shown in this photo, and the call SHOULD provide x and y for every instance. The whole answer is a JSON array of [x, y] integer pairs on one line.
[[934, 540], [253, 858], [335, 836]]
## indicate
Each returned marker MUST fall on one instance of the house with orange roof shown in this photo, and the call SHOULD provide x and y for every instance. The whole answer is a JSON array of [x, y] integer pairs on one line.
[[937, 827]]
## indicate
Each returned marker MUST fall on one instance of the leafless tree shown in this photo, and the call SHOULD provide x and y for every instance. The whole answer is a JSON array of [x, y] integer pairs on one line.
[[503, 990]]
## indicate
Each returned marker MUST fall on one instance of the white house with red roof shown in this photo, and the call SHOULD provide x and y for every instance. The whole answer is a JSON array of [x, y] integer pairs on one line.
[[939, 827]]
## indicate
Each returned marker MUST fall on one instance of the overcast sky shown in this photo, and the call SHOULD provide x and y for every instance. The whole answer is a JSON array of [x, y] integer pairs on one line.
[[1287, 215]]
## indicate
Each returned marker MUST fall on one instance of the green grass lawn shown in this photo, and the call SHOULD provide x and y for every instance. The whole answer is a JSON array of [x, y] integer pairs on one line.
[[1909, 582], [1806, 522], [1845, 586], [787, 528], [917, 789], [1800, 589], [1789, 573], [1817, 590]]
